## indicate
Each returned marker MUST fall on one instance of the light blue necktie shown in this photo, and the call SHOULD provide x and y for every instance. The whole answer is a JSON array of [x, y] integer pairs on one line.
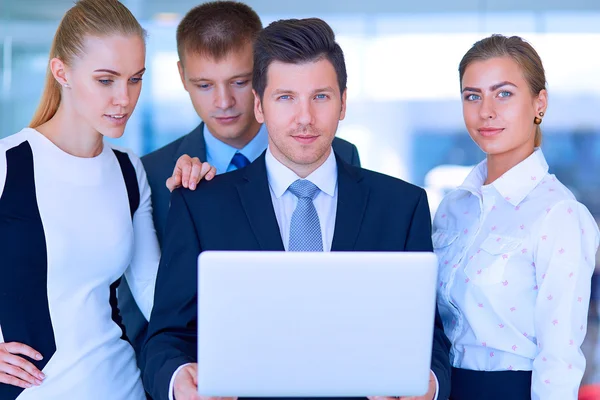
[[305, 229]]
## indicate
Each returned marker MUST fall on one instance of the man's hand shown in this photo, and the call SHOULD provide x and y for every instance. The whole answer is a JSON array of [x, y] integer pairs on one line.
[[185, 386], [188, 172], [430, 395]]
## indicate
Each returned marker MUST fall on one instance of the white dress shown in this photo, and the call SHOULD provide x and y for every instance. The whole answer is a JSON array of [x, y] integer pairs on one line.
[[66, 237]]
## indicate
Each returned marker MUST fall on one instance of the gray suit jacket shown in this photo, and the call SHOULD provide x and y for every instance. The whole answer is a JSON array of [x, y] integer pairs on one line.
[[159, 167]]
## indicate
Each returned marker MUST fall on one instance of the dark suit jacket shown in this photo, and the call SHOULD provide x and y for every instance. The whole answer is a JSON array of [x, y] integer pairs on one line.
[[159, 167], [234, 211], [160, 163]]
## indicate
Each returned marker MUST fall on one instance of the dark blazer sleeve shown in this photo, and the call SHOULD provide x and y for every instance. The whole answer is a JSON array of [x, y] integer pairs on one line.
[[159, 167], [171, 340], [419, 239]]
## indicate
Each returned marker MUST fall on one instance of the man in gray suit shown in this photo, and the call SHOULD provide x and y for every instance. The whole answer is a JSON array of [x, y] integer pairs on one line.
[[215, 46]]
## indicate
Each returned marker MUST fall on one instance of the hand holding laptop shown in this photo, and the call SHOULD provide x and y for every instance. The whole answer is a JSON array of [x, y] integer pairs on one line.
[[430, 395], [185, 386]]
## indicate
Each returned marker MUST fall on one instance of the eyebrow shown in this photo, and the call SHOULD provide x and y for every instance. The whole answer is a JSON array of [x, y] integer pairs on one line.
[[492, 88], [245, 75], [288, 91], [115, 73]]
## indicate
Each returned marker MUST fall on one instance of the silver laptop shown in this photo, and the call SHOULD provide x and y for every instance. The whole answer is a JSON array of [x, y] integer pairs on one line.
[[315, 324]]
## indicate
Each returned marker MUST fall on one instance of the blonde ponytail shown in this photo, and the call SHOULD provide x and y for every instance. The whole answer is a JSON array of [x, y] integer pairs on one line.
[[50, 99]]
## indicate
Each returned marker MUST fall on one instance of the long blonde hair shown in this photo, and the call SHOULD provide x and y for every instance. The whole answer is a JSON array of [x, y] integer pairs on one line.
[[87, 18], [521, 52]]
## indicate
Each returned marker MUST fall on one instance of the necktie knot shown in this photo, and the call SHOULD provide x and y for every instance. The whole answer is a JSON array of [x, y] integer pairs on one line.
[[304, 189], [239, 160]]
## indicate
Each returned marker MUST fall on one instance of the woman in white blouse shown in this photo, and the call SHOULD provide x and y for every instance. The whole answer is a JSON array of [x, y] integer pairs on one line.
[[516, 249]]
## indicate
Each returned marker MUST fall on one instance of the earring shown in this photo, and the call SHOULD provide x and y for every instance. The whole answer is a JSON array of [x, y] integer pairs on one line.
[[66, 85], [538, 120]]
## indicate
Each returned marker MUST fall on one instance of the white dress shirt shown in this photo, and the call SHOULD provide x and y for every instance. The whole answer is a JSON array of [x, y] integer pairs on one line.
[[516, 259], [284, 202]]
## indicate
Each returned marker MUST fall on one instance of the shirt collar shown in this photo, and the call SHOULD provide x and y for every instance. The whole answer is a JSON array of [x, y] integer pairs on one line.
[[281, 177], [222, 153], [515, 184]]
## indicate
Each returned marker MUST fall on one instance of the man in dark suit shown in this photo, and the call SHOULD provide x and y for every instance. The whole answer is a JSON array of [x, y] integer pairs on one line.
[[298, 196], [214, 42]]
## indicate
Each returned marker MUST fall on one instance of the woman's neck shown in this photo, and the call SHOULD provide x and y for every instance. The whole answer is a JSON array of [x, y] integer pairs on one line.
[[73, 136], [499, 164]]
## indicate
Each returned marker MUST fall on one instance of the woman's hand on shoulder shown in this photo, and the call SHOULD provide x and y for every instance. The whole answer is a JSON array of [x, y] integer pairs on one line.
[[188, 172]]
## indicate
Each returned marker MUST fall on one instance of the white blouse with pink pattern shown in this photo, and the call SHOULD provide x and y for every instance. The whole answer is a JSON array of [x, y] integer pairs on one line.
[[516, 259]]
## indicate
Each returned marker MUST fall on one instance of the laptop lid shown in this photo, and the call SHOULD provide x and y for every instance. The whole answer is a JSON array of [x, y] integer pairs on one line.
[[328, 324]]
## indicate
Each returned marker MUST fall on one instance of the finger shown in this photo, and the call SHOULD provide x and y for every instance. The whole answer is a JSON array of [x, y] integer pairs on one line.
[[183, 160], [23, 364], [209, 175], [171, 184], [187, 392], [185, 388], [20, 348], [186, 171], [11, 380], [20, 373], [175, 179], [206, 167], [195, 176]]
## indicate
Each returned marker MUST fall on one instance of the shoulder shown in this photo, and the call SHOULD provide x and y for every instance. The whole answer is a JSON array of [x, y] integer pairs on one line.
[[14, 140], [221, 188], [6, 144], [135, 162], [11, 142], [389, 185], [340, 144], [550, 194]]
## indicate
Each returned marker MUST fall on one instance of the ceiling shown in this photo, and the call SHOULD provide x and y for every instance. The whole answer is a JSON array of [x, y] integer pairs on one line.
[[52, 10]]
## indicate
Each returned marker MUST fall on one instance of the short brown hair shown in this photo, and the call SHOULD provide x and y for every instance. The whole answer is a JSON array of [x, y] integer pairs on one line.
[[296, 41], [217, 28], [519, 51]]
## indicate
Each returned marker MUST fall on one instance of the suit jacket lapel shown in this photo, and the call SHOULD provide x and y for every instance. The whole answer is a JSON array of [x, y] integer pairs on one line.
[[255, 196], [193, 145], [351, 206]]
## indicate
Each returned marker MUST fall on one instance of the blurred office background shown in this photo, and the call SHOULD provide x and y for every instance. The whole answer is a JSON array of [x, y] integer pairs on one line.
[[404, 110]]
